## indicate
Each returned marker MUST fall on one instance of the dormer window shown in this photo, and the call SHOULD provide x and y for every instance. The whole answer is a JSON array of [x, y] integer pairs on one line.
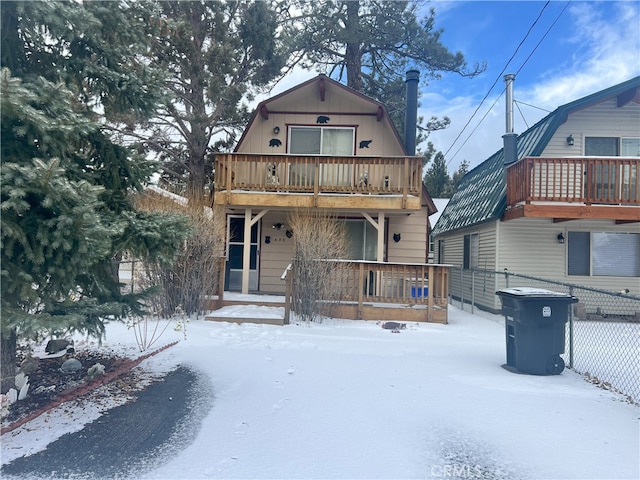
[[337, 141]]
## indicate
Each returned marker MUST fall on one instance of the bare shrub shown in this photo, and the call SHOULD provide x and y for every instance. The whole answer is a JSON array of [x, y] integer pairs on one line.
[[187, 283], [317, 236]]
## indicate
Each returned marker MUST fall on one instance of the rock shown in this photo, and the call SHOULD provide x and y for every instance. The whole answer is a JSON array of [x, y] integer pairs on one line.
[[23, 391], [58, 345], [394, 326], [71, 366], [97, 369], [21, 379], [12, 395], [29, 365]]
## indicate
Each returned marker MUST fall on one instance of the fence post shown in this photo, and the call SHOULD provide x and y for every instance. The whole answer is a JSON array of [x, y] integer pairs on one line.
[[571, 330], [461, 289], [473, 290], [506, 278]]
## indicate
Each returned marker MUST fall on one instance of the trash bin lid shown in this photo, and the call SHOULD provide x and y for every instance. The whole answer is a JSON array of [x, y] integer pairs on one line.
[[531, 292]]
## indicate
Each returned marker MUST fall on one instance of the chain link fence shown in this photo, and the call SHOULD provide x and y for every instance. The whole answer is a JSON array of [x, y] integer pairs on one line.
[[603, 331]]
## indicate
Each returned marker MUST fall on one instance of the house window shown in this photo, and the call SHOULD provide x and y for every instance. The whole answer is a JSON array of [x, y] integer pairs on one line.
[[440, 251], [601, 146], [630, 147], [611, 147], [579, 253], [333, 141], [470, 254], [612, 182], [362, 240], [321, 141], [604, 254]]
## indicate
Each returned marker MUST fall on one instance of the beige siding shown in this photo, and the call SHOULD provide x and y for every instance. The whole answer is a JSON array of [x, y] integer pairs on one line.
[[485, 285], [602, 120], [303, 106], [413, 245], [274, 256], [529, 245]]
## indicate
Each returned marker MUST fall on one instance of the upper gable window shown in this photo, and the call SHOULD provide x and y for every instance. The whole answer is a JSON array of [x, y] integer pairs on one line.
[[321, 140]]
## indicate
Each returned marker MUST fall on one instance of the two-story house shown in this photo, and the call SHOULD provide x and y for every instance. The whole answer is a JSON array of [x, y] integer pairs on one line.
[[321, 145], [562, 203]]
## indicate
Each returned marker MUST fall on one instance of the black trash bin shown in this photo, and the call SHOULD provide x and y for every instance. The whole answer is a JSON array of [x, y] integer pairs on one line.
[[534, 327]]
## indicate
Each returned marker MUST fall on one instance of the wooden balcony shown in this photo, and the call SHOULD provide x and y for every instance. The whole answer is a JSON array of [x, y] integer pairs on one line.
[[574, 188], [351, 182]]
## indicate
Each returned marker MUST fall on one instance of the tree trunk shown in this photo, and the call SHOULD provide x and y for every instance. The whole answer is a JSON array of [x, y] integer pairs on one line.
[[353, 60], [7, 359]]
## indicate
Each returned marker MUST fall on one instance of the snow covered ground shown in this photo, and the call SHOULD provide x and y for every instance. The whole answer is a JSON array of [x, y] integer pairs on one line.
[[348, 399]]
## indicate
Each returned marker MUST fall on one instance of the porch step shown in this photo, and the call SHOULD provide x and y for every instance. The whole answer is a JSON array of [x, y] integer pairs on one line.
[[249, 311], [240, 320]]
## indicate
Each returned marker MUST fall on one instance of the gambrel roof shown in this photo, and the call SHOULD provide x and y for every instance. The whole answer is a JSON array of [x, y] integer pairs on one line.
[[300, 97], [481, 196]]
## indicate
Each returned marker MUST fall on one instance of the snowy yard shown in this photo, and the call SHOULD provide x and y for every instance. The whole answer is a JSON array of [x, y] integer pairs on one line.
[[348, 399]]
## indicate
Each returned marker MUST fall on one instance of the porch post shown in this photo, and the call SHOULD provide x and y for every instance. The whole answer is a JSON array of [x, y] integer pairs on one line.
[[380, 254], [246, 251]]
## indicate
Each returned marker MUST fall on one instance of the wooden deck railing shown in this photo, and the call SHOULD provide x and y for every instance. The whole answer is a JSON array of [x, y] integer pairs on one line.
[[318, 174], [409, 292], [587, 180]]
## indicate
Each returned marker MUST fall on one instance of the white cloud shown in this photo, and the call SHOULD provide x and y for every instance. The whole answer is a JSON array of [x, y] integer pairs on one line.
[[606, 51]]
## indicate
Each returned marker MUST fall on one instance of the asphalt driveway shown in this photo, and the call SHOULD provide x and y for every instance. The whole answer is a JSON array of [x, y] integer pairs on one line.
[[127, 439]]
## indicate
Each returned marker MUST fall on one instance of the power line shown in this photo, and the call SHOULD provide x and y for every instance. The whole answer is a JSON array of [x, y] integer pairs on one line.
[[500, 75]]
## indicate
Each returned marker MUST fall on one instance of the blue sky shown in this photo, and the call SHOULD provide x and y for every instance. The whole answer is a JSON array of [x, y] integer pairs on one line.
[[592, 46]]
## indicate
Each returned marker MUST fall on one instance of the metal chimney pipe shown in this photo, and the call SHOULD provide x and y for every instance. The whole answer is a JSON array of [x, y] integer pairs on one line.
[[510, 139], [508, 79], [411, 113]]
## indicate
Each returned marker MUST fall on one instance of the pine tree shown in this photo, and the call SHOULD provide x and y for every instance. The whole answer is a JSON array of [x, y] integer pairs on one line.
[[437, 178], [371, 44], [66, 210], [215, 55]]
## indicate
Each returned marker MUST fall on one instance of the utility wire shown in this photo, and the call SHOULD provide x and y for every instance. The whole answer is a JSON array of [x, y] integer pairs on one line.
[[500, 75]]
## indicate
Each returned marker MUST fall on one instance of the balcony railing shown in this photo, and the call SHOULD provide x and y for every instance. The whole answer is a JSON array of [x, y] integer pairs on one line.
[[315, 174], [585, 180]]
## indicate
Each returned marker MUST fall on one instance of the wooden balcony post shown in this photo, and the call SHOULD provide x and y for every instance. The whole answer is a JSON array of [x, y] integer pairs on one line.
[[221, 280], [288, 296], [430, 293]]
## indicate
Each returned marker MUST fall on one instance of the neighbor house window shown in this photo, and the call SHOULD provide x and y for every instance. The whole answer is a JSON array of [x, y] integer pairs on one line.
[[630, 147], [613, 182], [604, 254], [602, 146], [470, 254], [612, 146], [440, 251]]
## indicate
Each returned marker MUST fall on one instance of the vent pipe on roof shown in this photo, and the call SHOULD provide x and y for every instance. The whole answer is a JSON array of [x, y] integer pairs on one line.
[[411, 113], [510, 139]]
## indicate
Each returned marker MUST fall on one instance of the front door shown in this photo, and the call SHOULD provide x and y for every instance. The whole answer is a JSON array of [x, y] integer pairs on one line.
[[235, 234]]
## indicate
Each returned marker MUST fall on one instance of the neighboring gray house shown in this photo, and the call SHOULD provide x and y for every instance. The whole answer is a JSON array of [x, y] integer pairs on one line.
[[440, 204], [566, 208]]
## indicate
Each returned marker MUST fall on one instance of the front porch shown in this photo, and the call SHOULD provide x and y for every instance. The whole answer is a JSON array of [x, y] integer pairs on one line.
[[362, 290]]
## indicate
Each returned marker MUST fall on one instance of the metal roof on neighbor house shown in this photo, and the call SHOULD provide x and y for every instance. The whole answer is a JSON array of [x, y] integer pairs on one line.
[[482, 194]]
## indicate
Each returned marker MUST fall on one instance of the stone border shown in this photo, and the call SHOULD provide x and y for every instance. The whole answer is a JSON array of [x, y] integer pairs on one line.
[[84, 388]]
